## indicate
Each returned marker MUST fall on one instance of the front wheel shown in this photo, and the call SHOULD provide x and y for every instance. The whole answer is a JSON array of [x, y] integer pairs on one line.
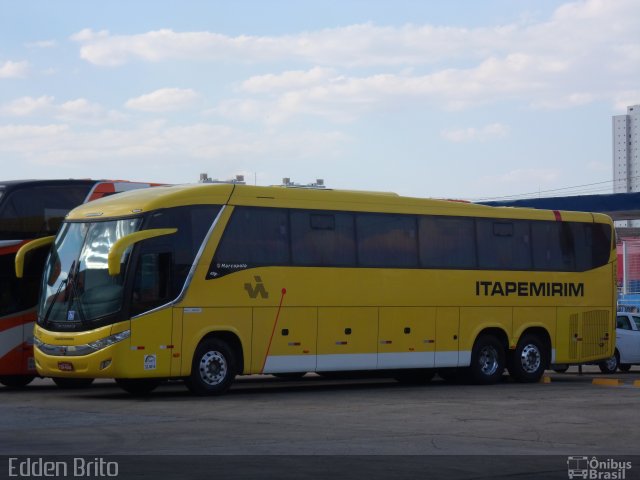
[[16, 381], [610, 365], [213, 369], [72, 383], [487, 360], [529, 360]]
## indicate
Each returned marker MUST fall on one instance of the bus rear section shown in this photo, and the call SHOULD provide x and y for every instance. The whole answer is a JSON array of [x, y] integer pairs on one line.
[[32, 211], [203, 283]]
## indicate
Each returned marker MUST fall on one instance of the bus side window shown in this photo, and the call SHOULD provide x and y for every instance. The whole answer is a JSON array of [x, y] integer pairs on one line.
[[503, 245], [552, 246], [152, 287], [387, 240], [323, 239], [447, 242]]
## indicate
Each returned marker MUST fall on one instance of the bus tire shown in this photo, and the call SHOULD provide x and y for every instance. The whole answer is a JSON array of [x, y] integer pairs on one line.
[[624, 367], [529, 360], [72, 383], [610, 365], [560, 368], [487, 360], [213, 369], [16, 381], [139, 387]]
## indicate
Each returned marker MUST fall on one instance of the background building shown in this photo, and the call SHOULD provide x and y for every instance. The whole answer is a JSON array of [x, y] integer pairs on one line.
[[626, 158]]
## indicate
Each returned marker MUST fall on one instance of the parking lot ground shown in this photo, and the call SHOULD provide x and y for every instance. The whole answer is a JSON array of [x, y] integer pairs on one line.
[[263, 415]]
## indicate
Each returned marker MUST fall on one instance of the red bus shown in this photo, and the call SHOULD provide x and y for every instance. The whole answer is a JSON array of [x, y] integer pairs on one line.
[[32, 209]]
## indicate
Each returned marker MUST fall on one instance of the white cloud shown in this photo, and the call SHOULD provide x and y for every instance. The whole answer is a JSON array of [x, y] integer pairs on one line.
[[42, 44], [287, 80], [587, 51], [472, 134], [25, 106], [78, 110], [575, 27], [17, 134], [11, 69], [163, 100], [161, 150]]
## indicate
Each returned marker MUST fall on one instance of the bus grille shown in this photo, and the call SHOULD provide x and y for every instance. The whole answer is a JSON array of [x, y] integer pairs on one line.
[[595, 324], [592, 327], [573, 345]]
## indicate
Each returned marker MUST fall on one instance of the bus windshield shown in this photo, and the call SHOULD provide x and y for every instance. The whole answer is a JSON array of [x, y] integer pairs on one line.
[[76, 286]]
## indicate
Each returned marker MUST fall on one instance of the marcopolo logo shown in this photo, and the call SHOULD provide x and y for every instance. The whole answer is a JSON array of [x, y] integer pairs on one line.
[[596, 469], [259, 289]]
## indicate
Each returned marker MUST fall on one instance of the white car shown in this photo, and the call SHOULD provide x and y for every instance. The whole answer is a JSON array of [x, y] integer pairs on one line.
[[627, 344]]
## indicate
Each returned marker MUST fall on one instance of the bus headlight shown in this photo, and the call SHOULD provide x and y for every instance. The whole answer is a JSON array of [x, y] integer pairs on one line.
[[80, 350], [110, 340]]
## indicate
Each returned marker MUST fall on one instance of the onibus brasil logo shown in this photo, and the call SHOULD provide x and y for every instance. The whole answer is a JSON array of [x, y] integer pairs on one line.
[[593, 468]]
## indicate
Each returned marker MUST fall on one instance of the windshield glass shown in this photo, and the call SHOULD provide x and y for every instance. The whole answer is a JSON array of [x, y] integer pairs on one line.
[[76, 286]]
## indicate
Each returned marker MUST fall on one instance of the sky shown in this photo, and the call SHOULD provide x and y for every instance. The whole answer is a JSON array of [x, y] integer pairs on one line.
[[442, 99]]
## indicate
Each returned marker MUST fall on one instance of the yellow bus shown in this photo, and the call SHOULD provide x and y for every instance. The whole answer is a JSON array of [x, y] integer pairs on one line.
[[206, 282]]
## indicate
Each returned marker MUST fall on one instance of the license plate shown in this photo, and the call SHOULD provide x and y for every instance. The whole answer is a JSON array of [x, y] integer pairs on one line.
[[65, 366]]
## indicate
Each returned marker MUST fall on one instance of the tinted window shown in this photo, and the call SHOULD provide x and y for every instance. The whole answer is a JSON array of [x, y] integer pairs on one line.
[[447, 242], [503, 244], [322, 239], [592, 243], [387, 240], [623, 323], [253, 237], [19, 294], [38, 211], [552, 246]]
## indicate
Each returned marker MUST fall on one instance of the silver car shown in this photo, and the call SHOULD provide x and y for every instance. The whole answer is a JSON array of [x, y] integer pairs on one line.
[[627, 344]]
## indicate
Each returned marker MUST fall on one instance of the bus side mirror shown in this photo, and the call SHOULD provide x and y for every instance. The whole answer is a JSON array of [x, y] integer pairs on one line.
[[28, 247], [118, 248]]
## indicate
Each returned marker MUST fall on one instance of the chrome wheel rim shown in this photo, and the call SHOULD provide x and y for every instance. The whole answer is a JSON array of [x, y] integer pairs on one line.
[[488, 360], [530, 358], [213, 368], [612, 363]]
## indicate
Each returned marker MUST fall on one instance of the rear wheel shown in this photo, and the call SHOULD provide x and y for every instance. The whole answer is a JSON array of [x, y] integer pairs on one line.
[[138, 387], [560, 368], [624, 367], [213, 369], [487, 360], [529, 360], [16, 381], [72, 383], [610, 365]]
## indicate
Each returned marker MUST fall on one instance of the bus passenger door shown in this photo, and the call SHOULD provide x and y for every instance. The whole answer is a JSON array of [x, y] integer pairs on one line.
[[152, 316], [407, 337], [447, 336], [347, 338], [151, 344]]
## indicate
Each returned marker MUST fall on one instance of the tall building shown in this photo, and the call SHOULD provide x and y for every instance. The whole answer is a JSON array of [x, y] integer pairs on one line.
[[626, 156], [626, 151]]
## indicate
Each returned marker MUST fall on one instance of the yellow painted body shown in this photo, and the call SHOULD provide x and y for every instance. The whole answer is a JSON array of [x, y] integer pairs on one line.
[[367, 318]]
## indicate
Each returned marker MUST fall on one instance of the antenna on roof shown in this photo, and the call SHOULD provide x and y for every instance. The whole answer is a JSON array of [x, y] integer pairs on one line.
[[239, 180], [319, 183]]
